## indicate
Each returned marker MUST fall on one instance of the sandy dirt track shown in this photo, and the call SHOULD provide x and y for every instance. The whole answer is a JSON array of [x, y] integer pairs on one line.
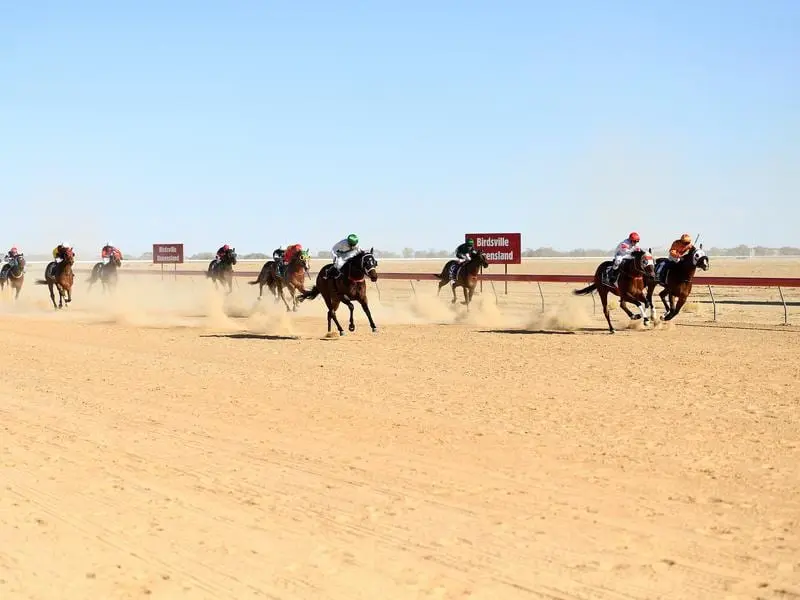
[[178, 445]]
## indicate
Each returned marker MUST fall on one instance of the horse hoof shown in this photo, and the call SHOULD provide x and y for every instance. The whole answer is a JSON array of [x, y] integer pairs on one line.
[[374, 330], [341, 333], [351, 327]]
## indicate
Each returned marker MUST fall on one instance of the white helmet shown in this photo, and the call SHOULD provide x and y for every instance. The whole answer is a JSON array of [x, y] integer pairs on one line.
[[109, 244]]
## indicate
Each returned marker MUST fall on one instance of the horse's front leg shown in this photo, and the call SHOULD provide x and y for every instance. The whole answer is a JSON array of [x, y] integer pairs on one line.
[[365, 306], [467, 296], [332, 316], [286, 304]]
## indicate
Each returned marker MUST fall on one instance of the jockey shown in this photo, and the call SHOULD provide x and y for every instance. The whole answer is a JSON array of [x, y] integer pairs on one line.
[[60, 251], [463, 255], [221, 252], [623, 252], [343, 251], [680, 247], [12, 254], [108, 251], [464, 251], [277, 256]]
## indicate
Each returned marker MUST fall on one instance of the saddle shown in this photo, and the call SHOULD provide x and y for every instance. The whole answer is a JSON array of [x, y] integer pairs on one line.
[[456, 267], [662, 271], [608, 277]]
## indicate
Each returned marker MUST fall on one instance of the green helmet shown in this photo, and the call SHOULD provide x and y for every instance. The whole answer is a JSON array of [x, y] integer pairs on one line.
[[470, 242], [352, 239]]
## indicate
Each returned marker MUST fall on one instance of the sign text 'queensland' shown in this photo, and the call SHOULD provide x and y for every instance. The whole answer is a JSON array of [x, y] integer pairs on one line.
[[167, 253], [499, 248]]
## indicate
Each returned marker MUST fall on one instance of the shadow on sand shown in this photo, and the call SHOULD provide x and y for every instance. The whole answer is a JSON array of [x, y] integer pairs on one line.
[[251, 336], [583, 330]]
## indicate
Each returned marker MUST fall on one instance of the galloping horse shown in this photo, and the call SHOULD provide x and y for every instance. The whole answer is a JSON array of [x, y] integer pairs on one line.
[[630, 286], [293, 278], [221, 271], [106, 273], [676, 277], [466, 275], [348, 286], [13, 274], [60, 274]]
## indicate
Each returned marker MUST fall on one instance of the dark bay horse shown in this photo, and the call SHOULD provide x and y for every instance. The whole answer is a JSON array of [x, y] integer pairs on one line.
[[676, 278], [221, 271], [13, 274], [106, 273], [60, 275], [630, 285], [466, 275], [293, 279], [348, 286]]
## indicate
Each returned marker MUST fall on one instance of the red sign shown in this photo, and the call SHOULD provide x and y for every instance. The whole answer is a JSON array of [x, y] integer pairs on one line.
[[499, 248], [167, 254]]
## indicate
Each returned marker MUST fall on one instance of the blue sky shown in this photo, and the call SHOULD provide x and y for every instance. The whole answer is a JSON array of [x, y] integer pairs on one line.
[[409, 123]]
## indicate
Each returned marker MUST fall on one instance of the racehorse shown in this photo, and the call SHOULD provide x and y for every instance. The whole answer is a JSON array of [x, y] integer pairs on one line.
[[106, 273], [466, 275], [221, 271], [630, 285], [60, 275], [349, 285], [13, 274], [676, 278], [293, 278]]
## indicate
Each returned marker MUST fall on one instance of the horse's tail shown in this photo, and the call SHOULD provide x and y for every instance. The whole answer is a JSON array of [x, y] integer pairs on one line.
[[308, 294], [585, 291]]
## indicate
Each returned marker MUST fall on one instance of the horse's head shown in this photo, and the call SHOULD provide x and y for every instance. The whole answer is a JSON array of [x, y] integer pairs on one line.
[[481, 258], [644, 262], [304, 256], [699, 258], [369, 264], [69, 256], [229, 256]]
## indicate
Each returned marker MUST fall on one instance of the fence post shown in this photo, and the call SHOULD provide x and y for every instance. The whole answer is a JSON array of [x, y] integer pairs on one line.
[[541, 294], [594, 304], [785, 310], [495, 293], [713, 302], [413, 289]]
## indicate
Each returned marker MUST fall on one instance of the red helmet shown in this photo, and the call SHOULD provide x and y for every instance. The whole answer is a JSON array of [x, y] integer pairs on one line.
[[13, 250], [226, 247], [634, 237]]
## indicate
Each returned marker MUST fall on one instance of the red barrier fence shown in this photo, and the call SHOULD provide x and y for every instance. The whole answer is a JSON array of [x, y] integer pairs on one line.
[[789, 282]]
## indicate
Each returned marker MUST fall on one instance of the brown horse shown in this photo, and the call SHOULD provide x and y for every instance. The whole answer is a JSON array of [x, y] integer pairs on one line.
[[221, 271], [60, 275], [630, 286], [464, 275], [293, 279], [106, 273], [676, 278], [13, 274], [349, 285]]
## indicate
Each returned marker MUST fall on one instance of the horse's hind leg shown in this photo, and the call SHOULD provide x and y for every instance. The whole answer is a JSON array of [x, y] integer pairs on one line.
[[453, 287], [332, 306], [604, 301], [678, 307], [53, 296], [624, 306]]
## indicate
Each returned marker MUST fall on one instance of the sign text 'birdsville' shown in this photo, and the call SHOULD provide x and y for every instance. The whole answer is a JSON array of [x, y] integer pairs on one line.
[[167, 254], [499, 248]]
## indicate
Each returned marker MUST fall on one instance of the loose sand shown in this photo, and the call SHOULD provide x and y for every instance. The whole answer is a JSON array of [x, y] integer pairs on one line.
[[172, 443]]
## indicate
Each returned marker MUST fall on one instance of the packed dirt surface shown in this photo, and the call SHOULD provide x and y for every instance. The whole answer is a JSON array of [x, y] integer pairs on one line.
[[170, 442]]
